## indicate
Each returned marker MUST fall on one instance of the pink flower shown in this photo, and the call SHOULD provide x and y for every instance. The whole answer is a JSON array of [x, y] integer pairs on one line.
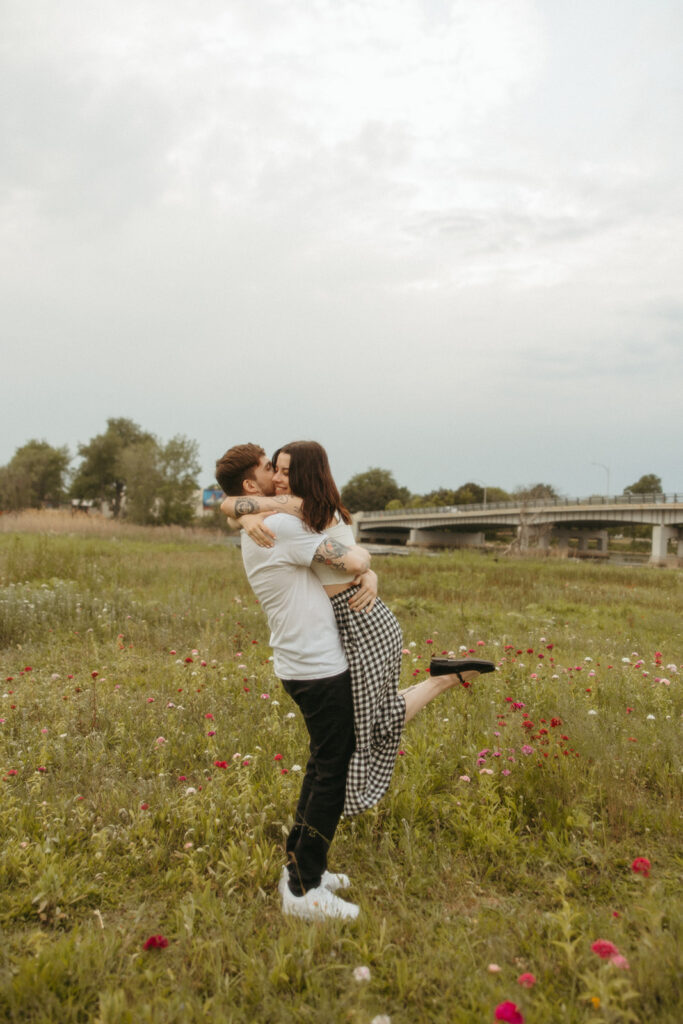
[[605, 949], [156, 942], [620, 961], [641, 866], [509, 1012], [526, 980]]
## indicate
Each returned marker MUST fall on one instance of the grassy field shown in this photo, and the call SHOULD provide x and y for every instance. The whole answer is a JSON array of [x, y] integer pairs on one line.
[[149, 768]]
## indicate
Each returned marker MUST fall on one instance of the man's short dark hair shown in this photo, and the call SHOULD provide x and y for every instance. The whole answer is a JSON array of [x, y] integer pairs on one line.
[[236, 466]]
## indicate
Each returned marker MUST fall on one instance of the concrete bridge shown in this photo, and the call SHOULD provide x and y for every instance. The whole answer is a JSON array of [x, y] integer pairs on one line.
[[535, 523]]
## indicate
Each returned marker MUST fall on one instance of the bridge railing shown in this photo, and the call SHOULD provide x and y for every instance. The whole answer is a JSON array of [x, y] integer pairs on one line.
[[536, 503]]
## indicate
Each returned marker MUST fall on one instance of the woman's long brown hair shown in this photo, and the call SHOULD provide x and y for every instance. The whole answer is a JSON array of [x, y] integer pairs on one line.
[[310, 478]]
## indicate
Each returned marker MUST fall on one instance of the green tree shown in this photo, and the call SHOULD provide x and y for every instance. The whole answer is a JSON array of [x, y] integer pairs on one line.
[[101, 474], [469, 494], [495, 494], [648, 484], [373, 490], [179, 470], [442, 496], [139, 468], [34, 476], [535, 492]]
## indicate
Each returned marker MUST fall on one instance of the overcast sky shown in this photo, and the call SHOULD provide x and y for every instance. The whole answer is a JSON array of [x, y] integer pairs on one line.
[[443, 237]]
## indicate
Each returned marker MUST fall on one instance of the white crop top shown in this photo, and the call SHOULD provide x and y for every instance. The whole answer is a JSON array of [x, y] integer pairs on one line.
[[343, 533]]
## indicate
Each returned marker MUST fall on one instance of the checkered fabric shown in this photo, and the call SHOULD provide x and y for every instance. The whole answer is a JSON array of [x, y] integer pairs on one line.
[[372, 642]]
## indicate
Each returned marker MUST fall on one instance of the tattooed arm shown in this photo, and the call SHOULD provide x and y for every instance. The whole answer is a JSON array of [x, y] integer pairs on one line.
[[243, 505], [347, 559]]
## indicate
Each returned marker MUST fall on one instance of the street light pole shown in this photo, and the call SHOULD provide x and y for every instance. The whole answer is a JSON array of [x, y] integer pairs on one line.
[[606, 469]]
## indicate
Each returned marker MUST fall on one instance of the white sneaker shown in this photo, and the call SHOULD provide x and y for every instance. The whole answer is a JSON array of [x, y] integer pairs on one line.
[[334, 881], [329, 880], [317, 905]]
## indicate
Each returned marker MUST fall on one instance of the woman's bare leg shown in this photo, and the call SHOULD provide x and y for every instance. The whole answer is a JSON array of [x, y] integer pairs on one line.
[[420, 694]]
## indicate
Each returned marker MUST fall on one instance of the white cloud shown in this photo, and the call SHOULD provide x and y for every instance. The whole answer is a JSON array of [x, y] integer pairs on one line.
[[344, 206]]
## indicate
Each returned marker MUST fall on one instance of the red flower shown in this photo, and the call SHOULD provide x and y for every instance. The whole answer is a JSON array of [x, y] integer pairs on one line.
[[156, 942], [144, 807], [641, 866], [605, 949], [94, 674], [278, 757], [188, 661], [220, 764], [509, 1012], [554, 722], [526, 980]]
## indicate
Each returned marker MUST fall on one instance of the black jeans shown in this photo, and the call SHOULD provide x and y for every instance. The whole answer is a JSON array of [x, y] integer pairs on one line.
[[327, 707]]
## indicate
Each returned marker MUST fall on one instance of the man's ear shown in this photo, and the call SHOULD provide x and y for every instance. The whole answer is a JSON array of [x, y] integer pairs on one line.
[[249, 486]]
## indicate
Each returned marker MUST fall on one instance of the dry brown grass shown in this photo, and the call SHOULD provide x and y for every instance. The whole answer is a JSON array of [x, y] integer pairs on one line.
[[94, 524]]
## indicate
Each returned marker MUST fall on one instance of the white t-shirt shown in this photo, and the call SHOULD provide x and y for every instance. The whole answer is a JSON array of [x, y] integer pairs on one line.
[[303, 630]]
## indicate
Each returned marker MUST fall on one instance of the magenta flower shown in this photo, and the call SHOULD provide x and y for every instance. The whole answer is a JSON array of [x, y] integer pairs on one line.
[[526, 980], [641, 866], [509, 1012], [605, 949]]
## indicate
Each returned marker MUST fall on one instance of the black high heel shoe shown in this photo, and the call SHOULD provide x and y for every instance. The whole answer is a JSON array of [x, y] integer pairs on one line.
[[448, 666]]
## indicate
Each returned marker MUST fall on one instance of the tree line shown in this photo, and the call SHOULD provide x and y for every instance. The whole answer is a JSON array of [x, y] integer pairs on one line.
[[125, 467], [151, 481], [377, 489]]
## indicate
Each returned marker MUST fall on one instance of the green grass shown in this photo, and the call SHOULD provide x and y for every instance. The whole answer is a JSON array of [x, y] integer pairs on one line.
[[522, 870]]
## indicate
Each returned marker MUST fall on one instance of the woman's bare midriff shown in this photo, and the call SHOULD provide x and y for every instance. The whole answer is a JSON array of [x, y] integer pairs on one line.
[[336, 588]]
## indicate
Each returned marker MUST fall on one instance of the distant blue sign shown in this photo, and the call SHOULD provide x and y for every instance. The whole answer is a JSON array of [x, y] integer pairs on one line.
[[211, 497]]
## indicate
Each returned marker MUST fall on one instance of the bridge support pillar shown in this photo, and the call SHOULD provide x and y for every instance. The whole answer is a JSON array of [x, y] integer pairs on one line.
[[583, 535], [444, 539], [661, 535]]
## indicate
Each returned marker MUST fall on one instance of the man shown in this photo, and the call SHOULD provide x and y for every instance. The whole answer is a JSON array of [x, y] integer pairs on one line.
[[308, 658]]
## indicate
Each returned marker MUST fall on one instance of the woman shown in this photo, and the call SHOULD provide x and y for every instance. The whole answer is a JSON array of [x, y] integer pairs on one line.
[[370, 633]]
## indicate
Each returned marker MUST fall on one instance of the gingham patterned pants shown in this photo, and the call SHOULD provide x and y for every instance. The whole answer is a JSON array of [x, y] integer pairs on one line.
[[372, 642]]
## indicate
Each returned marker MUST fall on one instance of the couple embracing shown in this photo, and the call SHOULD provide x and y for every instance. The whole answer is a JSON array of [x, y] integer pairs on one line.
[[336, 649]]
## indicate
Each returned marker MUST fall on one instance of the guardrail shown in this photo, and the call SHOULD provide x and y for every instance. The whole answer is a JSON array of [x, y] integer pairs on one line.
[[617, 499]]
